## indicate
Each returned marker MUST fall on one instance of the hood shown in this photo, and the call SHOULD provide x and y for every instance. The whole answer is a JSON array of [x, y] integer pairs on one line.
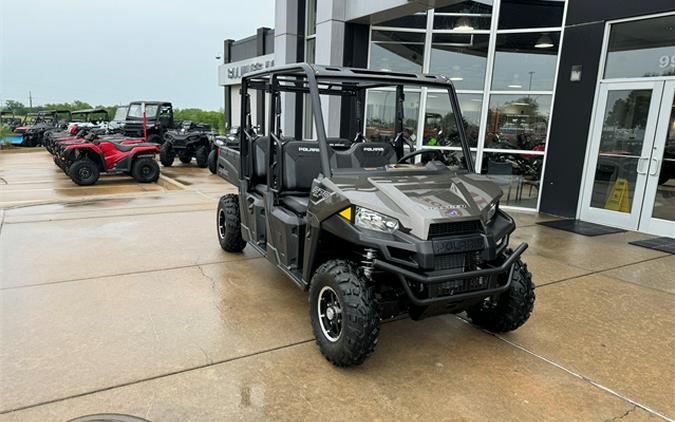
[[420, 199]]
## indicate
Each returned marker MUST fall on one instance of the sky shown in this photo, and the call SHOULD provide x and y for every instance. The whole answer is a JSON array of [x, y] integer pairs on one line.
[[107, 52]]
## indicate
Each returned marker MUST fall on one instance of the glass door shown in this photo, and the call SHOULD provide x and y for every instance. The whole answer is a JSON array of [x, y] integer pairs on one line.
[[622, 139], [658, 214]]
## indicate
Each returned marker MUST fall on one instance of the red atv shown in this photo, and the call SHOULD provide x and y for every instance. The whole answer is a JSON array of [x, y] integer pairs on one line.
[[85, 161]]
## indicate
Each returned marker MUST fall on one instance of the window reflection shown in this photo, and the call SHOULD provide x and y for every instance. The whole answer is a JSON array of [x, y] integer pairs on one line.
[[641, 48], [519, 176], [464, 16], [518, 122], [530, 13], [397, 51], [461, 57], [418, 20], [381, 114], [525, 62], [440, 128]]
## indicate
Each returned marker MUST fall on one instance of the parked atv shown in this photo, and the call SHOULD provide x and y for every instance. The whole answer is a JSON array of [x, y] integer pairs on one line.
[[158, 118], [84, 162], [191, 140], [370, 232], [9, 120]]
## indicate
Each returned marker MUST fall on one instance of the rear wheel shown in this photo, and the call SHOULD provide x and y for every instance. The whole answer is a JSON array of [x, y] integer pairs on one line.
[[510, 310], [145, 170], [202, 156], [166, 154], [343, 312], [213, 161], [83, 172], [228, 224]]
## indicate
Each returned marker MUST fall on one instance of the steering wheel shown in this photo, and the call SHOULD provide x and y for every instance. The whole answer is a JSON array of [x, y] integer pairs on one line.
[[437, 152]]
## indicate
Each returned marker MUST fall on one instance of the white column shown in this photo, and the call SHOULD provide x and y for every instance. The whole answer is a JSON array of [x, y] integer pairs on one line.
[[286, 51]]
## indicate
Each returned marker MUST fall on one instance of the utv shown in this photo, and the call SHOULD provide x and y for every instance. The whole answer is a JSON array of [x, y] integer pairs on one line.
[[369, 230], [191, 140], [158, 119], [231, 138], [36, 124], [9, 120]]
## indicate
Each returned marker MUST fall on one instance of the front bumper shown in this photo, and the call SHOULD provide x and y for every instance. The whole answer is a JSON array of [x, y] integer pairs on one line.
[[488, 277]]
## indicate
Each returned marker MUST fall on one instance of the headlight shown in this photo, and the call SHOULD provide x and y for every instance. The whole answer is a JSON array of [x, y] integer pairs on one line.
[[367, 219], [219, 142], [490, 212]]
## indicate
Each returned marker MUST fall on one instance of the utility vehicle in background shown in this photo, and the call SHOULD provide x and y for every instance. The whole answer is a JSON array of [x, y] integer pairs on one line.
[[370, 229], [158, 120]]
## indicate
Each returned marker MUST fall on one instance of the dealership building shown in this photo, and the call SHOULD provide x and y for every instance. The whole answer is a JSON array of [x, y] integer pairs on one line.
[[569, 105]]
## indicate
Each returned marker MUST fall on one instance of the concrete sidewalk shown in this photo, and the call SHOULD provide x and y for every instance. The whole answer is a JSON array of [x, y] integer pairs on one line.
[[118, 299]]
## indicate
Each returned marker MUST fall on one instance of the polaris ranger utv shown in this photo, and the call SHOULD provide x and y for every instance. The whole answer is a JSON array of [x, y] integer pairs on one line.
[[370, 230], [191, 140]]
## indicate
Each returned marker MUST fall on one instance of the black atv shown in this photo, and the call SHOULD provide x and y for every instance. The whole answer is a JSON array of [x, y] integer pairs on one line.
[[370, 230], [191, 140]]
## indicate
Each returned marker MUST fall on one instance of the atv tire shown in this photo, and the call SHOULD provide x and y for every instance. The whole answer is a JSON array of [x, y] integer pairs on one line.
[[185, 157], [213, 161], [228, 224], [343, 312], [202, 156], [512, 309], [83, 172], [145, 170], [167, 154]]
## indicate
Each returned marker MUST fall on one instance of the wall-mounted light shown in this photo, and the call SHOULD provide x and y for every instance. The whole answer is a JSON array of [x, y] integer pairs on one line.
[[544, 41]]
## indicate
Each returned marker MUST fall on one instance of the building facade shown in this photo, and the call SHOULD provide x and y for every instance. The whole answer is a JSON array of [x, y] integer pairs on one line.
[[567, 104]]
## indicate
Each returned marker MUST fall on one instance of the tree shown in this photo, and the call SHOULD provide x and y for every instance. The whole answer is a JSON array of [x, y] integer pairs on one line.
[[16, 106]]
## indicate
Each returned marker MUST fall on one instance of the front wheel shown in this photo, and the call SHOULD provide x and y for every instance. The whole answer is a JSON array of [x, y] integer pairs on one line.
[[166, 154], [145, 170], [343, 313], [83, 172], [510, 310], [202, 156], [213, 161], [228, 224]]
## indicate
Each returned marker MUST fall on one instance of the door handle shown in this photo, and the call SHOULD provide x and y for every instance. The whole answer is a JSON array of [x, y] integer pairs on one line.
[[639, 171], [654, 168]]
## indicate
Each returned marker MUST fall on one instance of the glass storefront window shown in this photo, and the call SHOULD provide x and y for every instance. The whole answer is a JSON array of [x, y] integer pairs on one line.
[[397, 51], [519, 176], [439, 121], [518, 122], [418, 20], [464, 16], [461, 57], [641, 48], [525, 62], [381, 113], [311, 17], [310, 53], [515, 14]]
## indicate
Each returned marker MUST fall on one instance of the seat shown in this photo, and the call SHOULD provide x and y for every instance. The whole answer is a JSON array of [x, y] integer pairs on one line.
[[301, 165], [364, 155]]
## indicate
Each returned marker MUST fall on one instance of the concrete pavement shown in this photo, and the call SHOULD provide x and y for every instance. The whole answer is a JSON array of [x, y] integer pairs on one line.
[[118, 299]]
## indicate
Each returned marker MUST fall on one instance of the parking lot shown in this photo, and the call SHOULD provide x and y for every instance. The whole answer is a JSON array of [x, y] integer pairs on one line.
[[118, 298]]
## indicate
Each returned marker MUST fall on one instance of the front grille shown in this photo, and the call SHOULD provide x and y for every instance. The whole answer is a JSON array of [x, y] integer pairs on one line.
[[455, 228], [449, 262], [455, 287]]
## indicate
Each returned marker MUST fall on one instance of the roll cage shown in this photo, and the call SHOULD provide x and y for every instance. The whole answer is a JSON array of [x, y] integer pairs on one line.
[[315, 80]]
